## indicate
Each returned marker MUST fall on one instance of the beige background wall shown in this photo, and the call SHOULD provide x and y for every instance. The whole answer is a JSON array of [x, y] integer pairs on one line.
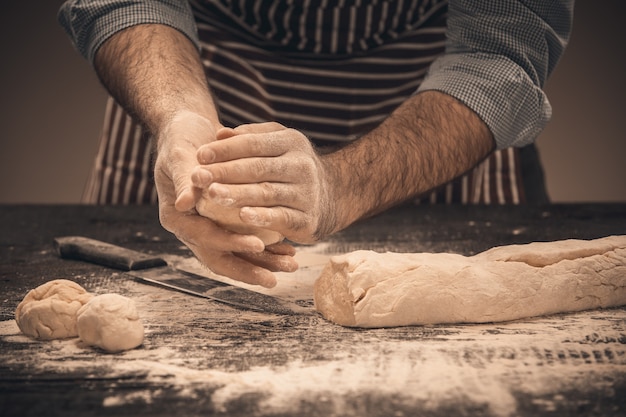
[[52, 108]]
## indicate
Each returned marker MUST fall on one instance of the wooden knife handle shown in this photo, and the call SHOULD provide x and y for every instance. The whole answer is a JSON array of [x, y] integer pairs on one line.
[[106, 254]]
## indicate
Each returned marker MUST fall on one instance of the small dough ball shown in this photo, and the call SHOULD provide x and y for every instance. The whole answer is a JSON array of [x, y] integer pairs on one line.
[[49, 311], [229, 219], [110, 322]]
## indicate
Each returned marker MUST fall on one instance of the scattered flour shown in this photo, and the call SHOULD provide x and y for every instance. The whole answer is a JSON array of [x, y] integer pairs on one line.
[[471, 365], [143, 397]]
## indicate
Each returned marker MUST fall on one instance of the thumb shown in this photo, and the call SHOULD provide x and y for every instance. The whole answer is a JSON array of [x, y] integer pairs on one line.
[[173, 177], [186, 193], [225, 133], [186, 198]]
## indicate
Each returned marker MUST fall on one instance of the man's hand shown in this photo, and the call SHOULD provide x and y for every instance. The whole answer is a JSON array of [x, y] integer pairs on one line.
[[273, 175], [240, 257]]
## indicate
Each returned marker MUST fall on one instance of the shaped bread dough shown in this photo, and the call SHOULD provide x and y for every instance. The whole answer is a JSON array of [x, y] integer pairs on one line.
[[229, 219], [49, 311], [369, 289], [110, 322]]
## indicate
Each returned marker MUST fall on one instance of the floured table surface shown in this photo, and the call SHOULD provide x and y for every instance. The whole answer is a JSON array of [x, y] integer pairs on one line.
[[204, 358]]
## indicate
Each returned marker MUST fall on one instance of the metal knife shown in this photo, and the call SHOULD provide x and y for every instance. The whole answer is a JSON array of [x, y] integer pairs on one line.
[[155, 270]]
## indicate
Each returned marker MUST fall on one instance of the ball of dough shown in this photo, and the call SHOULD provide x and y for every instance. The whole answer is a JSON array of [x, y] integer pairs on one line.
[[49, 311], [110, 322], [229, 219]]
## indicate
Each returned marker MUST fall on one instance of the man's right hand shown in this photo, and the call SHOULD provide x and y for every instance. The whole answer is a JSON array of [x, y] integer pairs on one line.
[[241, 257]]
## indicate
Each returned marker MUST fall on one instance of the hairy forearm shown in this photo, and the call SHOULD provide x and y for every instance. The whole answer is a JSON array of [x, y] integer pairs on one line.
[[154, 72], [429, 140]]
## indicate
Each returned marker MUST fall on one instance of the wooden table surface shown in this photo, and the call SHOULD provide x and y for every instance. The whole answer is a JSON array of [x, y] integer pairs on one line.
[[204, 358]]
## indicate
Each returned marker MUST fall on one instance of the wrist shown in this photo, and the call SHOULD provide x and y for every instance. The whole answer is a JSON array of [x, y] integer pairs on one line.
[[340, 206], [185, 125]]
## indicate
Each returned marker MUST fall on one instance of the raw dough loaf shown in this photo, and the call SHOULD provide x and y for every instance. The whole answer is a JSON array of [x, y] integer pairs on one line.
[[49, 311], [229, 219], [369, 289], [110, 322]]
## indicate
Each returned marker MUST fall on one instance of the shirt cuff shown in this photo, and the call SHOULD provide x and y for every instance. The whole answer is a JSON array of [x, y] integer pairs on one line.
[[90, 24], [498, 90]]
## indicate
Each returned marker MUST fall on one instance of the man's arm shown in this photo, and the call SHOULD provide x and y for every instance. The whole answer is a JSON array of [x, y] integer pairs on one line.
[[429, 140], [154, 71]]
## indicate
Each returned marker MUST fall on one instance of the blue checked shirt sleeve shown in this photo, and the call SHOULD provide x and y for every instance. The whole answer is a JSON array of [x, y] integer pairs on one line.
[[91, 22], [498, 56]]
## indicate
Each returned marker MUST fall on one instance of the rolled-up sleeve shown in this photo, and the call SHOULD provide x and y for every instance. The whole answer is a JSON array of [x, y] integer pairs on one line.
[[91, 22], [498, 56]]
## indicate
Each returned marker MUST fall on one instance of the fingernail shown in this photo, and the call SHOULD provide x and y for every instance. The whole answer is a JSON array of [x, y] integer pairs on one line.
[[224, 133], [268, 281], [256, 245], [201, 177], [184, 201], [221, 194], [251, 217], [206, 156], [288, 265]]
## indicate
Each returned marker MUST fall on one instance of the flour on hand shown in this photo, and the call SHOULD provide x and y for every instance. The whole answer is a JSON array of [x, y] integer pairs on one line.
[[110, 322], [369, 289], [49, 311], [228, 218]]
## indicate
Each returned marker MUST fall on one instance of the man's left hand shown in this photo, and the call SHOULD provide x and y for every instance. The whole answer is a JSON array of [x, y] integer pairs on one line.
[[274, 175]]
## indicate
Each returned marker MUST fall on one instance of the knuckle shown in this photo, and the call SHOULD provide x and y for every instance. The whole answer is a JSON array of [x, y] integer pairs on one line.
[[299, 140], [294, 198], [307, 169], [259, 167], [177, 153], [218, 172], [276, 168], [223, 150], [270, 127], [272, 193], [275, 125], [296, 222], [268, 192]]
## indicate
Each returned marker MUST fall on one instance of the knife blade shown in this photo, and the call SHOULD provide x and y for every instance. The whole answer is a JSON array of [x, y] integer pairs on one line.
[[152, 269]]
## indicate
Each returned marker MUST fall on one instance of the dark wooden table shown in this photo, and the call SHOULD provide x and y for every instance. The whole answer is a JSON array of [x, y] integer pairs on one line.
[[203, 358]]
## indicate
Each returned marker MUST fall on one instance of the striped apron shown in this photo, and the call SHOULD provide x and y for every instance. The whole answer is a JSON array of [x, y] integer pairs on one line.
[[334, 72]]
